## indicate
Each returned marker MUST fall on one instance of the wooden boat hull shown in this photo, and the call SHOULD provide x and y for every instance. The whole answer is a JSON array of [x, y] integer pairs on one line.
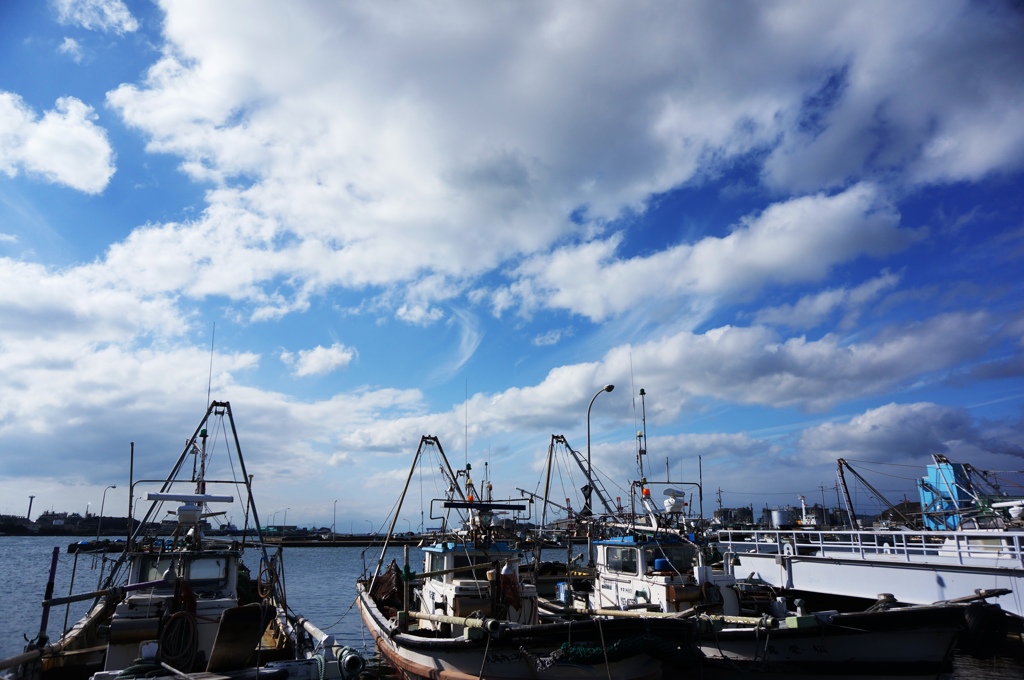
[[642, 651]]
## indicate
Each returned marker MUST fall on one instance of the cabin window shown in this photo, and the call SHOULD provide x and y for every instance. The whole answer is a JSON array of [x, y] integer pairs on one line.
[[623, 560], [208, 572], [982, 523], [154, 567], [679, 556], [435, 562], [473, 560]]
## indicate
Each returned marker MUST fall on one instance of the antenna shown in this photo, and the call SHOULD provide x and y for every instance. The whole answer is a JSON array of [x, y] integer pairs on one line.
[[466, 418], [209, 382]]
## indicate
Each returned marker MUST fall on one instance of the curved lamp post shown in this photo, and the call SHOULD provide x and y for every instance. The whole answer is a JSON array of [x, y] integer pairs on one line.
[[99, 522], [587, 510], [334, 524]]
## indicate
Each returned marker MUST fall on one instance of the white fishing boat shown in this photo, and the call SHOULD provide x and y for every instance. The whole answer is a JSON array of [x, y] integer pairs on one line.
[[470, 614], [968, 550], [183, 604]]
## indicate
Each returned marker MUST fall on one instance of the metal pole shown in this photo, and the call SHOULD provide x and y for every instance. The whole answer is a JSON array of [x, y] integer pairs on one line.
[[590, 469], [99, 522]]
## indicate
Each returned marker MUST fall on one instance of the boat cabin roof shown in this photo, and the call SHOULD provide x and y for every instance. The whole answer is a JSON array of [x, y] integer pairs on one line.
[[494, 549], [641, 540]]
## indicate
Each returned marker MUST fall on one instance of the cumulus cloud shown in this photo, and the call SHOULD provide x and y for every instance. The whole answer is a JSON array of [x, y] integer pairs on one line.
[[319, 360], [337, 165], [402, 163], [798, 240], [96, 15], [903, 432], [924, 90], [756, 366], [65, 146]]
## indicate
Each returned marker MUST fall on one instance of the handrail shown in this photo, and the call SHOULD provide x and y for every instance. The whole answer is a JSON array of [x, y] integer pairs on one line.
[[1002, 548]]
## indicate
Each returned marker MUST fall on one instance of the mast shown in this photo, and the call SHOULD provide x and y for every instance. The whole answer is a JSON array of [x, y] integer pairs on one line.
[[641, 436], [846, 495]]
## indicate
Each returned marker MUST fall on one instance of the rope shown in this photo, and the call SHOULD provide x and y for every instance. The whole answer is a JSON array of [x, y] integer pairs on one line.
[[179, 640], [267, 581], [483, 664], [604, 649]]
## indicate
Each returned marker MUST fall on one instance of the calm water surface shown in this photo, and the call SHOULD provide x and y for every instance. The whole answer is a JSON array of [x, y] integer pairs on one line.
[[320, 586]]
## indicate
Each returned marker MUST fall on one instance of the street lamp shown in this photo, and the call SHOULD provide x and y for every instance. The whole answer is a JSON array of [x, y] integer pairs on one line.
[[408, 524], [334, 522], [590, 470], [99, 522], [286, 517], [371, 527]]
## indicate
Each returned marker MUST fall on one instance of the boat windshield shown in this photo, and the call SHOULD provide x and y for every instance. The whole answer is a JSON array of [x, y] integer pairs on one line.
[[982, 523], [622, 560], [203, 572], [436, 562], [680, 557]]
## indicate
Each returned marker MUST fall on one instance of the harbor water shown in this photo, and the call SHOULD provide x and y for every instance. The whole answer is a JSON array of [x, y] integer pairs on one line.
[[320, 585]]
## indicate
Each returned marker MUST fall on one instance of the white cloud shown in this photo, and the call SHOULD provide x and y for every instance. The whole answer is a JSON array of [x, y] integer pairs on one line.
[[400, 163], [96, 15], [811, 310], [382, 168], [755, 366], [65, 146], [924, 89], [551, 337], [71, 48], [799, 240], [905, 432], [470, 337], [319, 360]]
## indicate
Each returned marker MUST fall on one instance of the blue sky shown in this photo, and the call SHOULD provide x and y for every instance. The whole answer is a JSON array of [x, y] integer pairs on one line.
[[796, 225]]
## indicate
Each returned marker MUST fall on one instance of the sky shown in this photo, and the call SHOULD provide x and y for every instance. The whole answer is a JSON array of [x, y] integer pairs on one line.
[[797, 226]]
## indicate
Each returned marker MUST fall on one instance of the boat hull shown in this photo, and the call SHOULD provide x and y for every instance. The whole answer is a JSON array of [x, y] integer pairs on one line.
[[915, 567], [530, 651], [900, 641]]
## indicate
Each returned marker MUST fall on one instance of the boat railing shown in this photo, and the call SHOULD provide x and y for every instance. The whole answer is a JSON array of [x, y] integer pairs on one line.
[[995, 548]]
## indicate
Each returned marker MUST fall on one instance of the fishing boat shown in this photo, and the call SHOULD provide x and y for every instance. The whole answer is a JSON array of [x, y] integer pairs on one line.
[[658, 573], [473, 612], [648, 564], [182, 603], [971, 546]]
